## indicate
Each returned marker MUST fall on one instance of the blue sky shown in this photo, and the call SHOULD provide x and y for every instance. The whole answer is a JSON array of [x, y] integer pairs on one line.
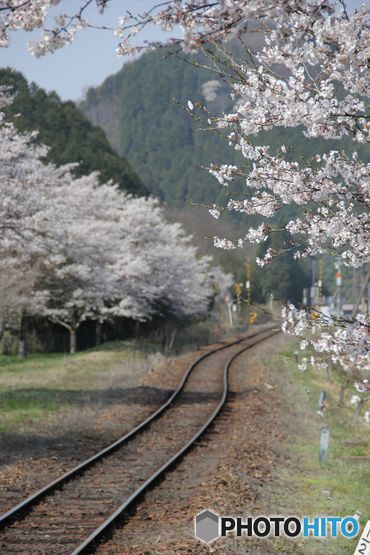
[[89, 60]]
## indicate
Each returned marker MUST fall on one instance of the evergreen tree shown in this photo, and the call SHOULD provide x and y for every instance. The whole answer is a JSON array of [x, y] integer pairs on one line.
[[140, 109], [68, 133]]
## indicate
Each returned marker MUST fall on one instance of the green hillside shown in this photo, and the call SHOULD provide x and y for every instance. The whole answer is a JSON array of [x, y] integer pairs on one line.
[[143, 122], [140, 109], [69, 134], [137, 110]]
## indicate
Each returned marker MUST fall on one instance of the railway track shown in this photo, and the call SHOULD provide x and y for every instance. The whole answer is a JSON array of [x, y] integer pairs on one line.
[[74, 513]]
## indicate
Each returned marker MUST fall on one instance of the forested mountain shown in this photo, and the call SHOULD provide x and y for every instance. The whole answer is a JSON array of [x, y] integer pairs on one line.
[[143, 122], [137, 110], [140, 109], [69, 134]]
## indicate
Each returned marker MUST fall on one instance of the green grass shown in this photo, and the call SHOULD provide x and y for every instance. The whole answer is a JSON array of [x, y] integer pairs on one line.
[[40, 385], [33, 388], [307, 487], [11, 363]]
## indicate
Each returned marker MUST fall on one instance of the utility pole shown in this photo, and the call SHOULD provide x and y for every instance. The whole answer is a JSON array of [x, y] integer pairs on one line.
[[356, 284], [238, 291], [229, 306], [313, 271], [360, 298], [320, 282], [314, 292], [248, 287], [338, 281]]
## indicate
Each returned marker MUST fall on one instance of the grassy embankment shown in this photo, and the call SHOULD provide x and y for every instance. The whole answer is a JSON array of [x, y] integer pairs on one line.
[[338, 487], [42, 385]]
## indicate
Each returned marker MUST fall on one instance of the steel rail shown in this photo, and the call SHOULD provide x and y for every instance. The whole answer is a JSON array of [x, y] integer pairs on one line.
[[24, 506], [91, 543]]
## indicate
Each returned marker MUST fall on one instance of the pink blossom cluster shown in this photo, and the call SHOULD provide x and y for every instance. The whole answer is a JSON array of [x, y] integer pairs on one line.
[[311, 73], [74, 249]]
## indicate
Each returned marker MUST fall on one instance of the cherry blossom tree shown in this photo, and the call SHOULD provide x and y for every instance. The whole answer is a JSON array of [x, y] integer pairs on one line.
[[116, 256], [75, 250], [76, 272], [310, 74], [179, 277], [25, 218]]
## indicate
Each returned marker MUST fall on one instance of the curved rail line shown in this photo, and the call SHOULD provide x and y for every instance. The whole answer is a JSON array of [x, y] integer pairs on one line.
[[89, 545], [16, 511]]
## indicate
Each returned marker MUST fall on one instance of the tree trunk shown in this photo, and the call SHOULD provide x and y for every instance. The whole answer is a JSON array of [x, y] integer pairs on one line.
[[172, 339], [22, 348], [72, 341], [22, 342], [164, 339], [98, 333]]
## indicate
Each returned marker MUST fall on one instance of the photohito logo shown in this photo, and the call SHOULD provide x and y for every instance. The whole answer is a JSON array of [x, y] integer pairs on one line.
[[209, 526]]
